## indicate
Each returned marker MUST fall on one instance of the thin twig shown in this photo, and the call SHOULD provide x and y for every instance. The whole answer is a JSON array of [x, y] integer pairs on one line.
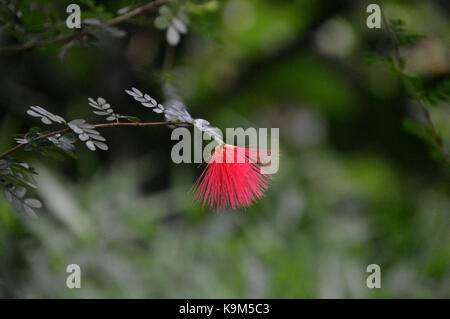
[[67, 38], [66, 130], [397, 58]]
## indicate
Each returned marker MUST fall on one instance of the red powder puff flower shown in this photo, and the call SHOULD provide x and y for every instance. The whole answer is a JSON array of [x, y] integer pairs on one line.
[[232, 178]]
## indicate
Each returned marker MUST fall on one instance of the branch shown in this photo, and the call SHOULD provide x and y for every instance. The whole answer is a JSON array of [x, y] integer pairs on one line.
[[67, 38], [397, 56], [66, 130], [399, 64]]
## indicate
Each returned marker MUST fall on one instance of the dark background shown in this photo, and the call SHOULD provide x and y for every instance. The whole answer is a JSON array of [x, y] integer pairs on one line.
[[354, 187]]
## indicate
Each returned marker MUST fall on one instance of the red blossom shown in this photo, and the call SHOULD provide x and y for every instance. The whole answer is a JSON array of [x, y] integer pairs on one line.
[[232, 178]]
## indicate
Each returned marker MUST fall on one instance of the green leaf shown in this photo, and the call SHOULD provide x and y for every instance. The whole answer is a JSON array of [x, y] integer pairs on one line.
[[166, 12], [418, 130], [161, 23]]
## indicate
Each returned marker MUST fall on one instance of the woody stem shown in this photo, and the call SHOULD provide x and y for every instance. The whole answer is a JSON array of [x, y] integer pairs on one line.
[[66, 130]]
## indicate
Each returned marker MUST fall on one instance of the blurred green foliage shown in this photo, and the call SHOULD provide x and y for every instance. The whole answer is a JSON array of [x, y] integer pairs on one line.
[[354, 187]]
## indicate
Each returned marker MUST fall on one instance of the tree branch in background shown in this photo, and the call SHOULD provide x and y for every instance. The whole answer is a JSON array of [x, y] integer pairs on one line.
[[67, 38], [398, 63]]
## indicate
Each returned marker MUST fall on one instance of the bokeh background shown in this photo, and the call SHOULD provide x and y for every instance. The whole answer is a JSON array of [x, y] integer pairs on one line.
[[354, 186]]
